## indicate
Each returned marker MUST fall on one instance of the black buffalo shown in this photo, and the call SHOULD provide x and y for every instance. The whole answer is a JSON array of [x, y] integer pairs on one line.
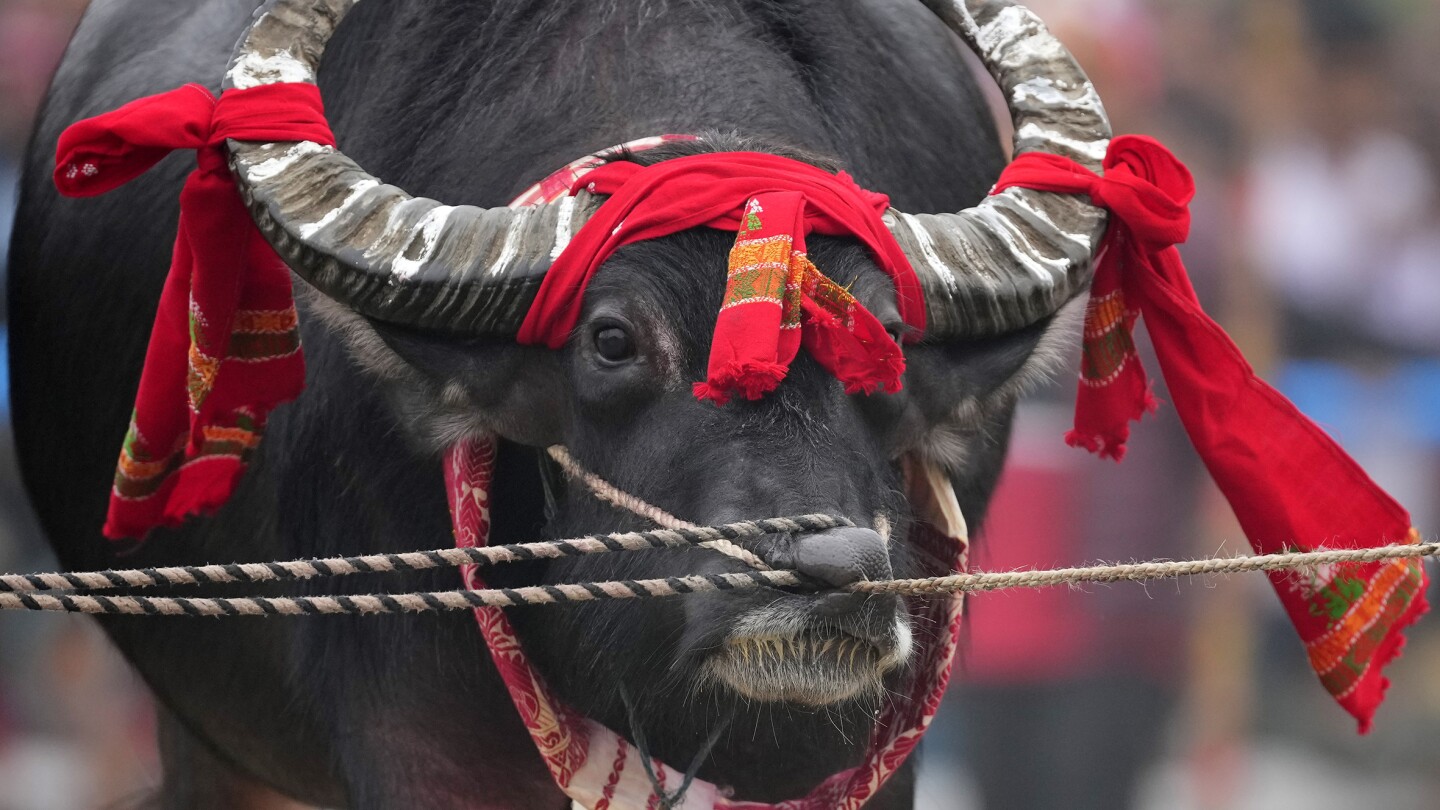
[[469, 102]]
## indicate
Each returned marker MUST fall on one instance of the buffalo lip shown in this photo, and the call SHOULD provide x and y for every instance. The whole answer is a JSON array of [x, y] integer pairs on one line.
[[809, 667]]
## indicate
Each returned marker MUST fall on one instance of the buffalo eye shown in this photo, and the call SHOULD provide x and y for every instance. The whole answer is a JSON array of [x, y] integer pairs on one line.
[[614, 344]]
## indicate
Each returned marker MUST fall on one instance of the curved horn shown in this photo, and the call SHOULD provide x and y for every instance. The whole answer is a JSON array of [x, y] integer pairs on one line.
[[385, 254], [1020, 255]]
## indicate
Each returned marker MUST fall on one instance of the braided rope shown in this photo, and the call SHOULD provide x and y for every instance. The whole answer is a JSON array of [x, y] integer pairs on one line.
[[1140, 572], [700, 583], [385, 603], [682, 537], [22, 591]]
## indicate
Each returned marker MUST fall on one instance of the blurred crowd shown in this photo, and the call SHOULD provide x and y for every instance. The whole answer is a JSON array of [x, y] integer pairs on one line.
[[76, 728], [1313, 129]]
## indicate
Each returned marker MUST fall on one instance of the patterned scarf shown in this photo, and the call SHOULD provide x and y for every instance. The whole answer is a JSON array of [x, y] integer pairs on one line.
[[1291, 486], [600, 770], [775, 300], [225, 349]]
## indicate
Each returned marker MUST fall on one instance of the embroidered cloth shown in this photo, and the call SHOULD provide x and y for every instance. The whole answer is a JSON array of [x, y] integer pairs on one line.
[[224, 349], [1291, 486], [600, 770], [775, 300]]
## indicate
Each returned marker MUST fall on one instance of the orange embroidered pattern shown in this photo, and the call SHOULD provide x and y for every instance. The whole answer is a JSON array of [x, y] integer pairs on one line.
[[760, 271], [139, 473], [830, 296], [200, 380], [257, 335], [261, 334], [1108, 343], [1347, 650]]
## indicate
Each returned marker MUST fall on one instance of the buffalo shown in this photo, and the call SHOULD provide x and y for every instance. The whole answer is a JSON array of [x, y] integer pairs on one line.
[[767, 692]]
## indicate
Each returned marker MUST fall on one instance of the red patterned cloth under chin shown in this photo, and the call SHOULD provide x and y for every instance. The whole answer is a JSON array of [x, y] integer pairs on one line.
[[1291, 486], [600, 770], [225, 348], [776, 301]]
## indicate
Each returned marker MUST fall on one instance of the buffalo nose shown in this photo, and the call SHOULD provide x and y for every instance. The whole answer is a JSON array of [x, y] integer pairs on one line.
[[839, 557]]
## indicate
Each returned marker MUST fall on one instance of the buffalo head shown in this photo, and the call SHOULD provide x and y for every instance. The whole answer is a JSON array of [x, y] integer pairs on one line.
[[428, 297]]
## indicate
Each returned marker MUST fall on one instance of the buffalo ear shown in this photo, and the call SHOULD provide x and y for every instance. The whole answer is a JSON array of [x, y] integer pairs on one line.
[[965, 391], [444, 388]]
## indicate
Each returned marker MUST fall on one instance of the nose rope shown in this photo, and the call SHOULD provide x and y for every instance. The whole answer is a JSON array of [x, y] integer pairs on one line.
[[615, 496]]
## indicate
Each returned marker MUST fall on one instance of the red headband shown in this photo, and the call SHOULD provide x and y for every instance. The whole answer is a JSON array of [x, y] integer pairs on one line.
[[775, 300]]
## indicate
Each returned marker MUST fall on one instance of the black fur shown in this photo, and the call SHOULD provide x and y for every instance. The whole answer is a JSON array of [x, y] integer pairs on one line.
[[469, 102]]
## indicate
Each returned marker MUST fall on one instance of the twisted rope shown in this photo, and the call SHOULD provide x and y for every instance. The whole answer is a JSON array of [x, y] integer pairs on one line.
[[385, 603], [1140, 572], [682, 537], [675, 586], [22, 591]]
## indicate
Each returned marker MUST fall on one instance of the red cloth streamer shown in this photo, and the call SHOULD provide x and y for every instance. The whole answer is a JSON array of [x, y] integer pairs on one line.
[[225, 349], [776, 300], [1290, 485]]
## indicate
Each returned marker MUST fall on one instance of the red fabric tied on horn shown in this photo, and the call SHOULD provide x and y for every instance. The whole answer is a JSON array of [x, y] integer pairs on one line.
[[1290, 485], [776, 301], [225, 347]]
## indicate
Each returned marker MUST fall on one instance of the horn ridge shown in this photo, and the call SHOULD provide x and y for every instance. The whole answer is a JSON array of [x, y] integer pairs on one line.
[[1020, 255], [367, 244], [1005, 264]]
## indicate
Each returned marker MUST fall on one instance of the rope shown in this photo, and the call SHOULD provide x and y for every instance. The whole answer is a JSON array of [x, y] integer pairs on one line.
[[386, 603], [675, 586], [1139, 572], [687, 536], [612, 494], [22, 591]]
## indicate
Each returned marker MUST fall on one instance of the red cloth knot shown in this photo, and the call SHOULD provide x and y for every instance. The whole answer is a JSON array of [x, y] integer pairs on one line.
[[1145, 187], [225, 348], [1148, 189], [102, 153]]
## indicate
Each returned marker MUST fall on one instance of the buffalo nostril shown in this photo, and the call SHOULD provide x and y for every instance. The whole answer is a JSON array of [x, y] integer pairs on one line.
[[839, 557]]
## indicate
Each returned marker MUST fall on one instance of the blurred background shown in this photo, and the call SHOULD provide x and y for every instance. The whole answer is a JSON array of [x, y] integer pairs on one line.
[[1313, 129]]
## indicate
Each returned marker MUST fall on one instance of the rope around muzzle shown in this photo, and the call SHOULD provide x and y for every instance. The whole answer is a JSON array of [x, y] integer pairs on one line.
[[25, 591]]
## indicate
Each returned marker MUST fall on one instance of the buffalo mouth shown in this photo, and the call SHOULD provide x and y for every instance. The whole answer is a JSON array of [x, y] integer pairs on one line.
[[811, 667]]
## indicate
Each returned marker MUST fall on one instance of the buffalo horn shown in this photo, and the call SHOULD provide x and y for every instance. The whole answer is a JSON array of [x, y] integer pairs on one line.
[[1003, 265], [1018, 256], [369, 245]]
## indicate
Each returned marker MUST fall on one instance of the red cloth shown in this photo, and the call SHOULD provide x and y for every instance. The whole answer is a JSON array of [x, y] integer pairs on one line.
[[224, 350], [1290, 485], [772, 203]]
